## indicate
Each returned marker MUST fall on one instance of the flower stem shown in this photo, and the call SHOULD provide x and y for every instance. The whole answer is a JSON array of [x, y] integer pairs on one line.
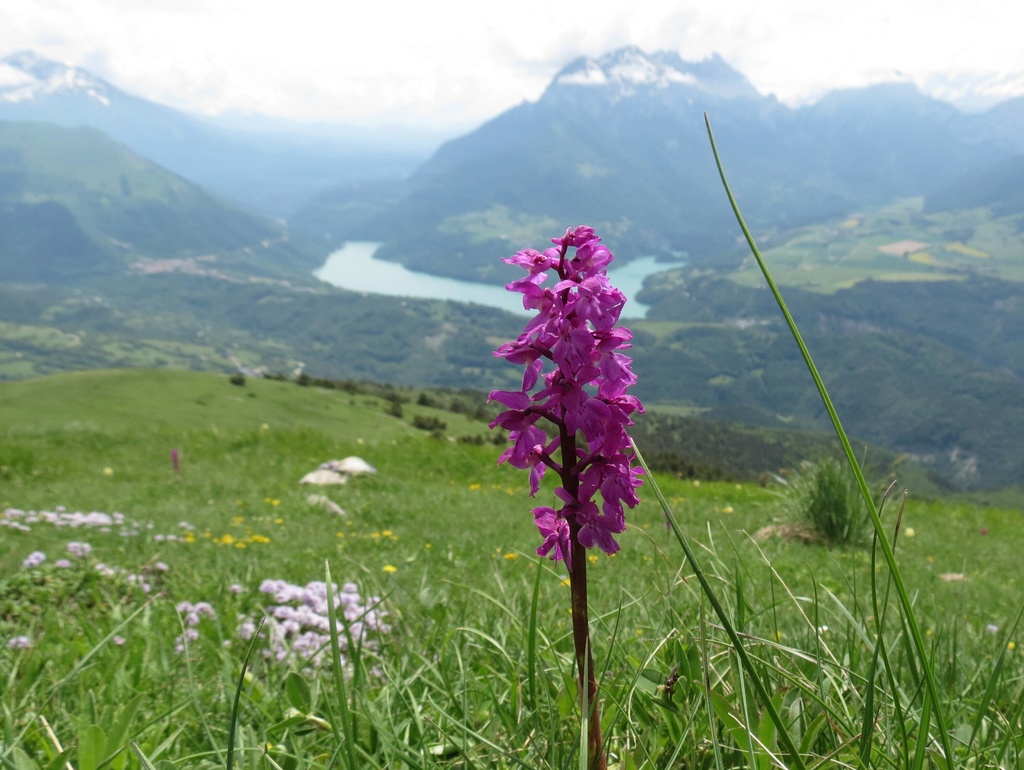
[[584, 658], [586, 677]]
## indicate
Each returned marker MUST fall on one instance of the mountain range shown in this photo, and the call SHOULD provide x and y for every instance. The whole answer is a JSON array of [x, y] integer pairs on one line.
[[619, 142], [270, 167], [76, 206], [113, 251]]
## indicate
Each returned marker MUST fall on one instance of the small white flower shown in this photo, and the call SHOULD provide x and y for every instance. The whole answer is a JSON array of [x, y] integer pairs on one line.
[[34, 559], [79, 550]]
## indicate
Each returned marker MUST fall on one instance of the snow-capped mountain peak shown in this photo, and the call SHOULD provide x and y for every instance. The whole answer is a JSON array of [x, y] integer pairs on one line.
[[628, 70], [25, 76]]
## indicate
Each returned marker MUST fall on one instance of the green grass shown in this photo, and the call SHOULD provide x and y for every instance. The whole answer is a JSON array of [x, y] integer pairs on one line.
[[473, 675], [123, 399], [837, 255]]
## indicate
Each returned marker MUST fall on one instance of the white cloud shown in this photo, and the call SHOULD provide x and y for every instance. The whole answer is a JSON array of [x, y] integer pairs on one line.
[[453, 61]]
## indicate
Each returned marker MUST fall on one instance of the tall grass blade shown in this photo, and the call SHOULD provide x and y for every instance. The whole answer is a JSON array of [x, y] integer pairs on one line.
[[84, 660], [346, 734], [993, 681], [762, 692], [910, 619], [705, 653], [920, 753], [143, 759], [868, 722], [531, 643], [233, 727]]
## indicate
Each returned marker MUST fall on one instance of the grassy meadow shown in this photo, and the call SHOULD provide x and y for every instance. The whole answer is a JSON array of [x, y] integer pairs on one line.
[[898, 243], [457, 651]]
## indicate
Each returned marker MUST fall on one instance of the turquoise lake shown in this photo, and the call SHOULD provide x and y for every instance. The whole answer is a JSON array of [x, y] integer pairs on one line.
[[354, 267]]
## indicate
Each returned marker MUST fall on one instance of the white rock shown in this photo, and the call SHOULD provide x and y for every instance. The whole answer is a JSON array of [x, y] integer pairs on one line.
[[350, 466], [323, 477], [327, 504]]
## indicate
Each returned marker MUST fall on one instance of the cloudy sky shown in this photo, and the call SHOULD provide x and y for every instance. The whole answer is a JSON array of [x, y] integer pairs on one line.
[[456, 63]]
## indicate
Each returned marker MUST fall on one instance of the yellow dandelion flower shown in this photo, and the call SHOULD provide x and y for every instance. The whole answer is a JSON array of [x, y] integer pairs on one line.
[[389, 568], [1011, 646], [258, 539], [474, 487], [510, 556], [241, 544], [726, 509], [375, 535], [225, 540], [566, 581], [275, 502], [279, 521], [340, 534], [592, 558], [108, 471], [237, 520], [387, 533], [909, 532]]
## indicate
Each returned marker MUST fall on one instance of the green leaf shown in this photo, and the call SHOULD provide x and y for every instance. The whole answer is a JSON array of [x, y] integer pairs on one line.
[[650, 681], [811, 733], [297, 691], [143, 759], [92, 744], [23, 761], [117, 732], [58, 762], [731, 721]]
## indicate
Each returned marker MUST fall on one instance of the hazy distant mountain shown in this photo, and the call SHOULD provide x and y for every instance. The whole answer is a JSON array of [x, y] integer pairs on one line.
[[271, 168], [890, 140], [75, 206], [619, 142], [999, 187], [1001, 125]]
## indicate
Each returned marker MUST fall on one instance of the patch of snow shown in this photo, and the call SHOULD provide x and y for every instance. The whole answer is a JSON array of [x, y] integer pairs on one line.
[[591, 75], [12, 76], [25, 76]]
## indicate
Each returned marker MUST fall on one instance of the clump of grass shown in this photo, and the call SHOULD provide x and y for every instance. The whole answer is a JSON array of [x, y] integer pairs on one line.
[[833, 505], [829, 502]]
